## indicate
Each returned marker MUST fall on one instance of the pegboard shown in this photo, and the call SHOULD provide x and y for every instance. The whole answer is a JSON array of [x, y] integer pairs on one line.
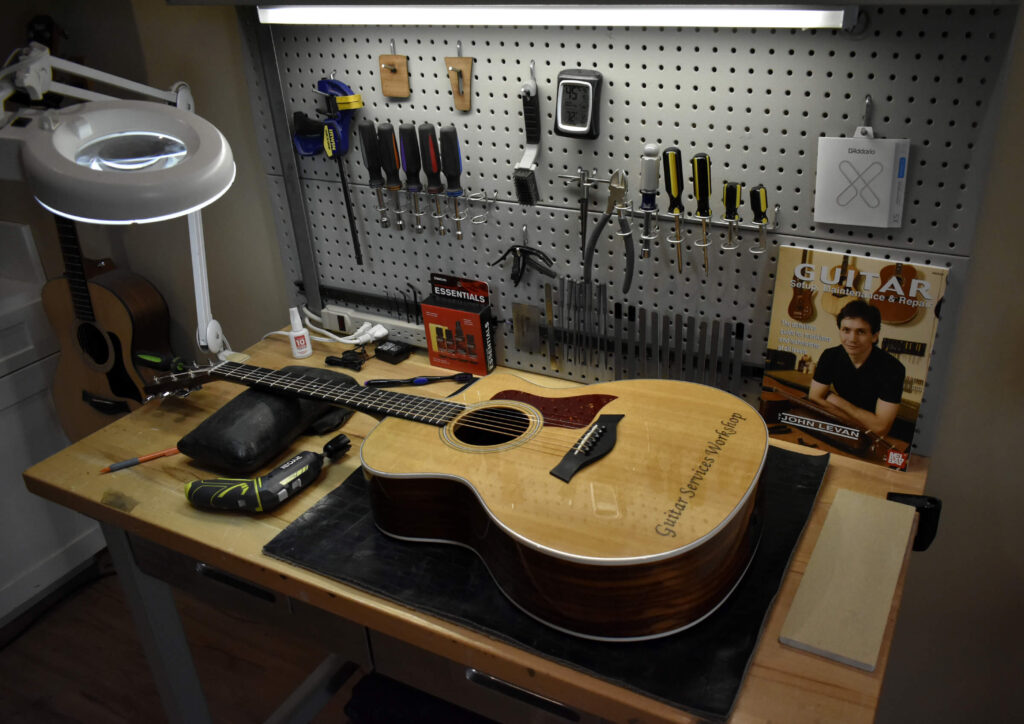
[[755, 100]]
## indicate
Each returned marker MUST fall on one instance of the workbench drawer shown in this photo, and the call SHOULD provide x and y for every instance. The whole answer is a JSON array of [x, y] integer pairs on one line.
[[227, 591], [469, 688]]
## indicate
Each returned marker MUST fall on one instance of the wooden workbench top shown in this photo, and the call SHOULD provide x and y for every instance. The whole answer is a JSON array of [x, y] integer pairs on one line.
[[782, 684]]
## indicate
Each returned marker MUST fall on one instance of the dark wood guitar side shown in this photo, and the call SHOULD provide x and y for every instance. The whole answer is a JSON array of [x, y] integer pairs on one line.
[[899, 310], [801, 306], [621, 510], [100, 321]]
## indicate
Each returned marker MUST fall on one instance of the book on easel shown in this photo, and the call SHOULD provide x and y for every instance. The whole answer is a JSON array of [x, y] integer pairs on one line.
[[849, 347]]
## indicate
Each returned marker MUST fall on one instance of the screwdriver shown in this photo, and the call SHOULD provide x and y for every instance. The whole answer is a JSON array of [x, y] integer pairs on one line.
[[258, 495], [371, 159], [648, 195], [431, 158], [451, 164], [701, 164], [759, 210], [390, 162], [732, 197], [673, 162], [411, 165]]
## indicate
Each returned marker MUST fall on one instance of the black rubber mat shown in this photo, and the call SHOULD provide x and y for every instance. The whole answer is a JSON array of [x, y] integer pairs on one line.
[[699, 669]]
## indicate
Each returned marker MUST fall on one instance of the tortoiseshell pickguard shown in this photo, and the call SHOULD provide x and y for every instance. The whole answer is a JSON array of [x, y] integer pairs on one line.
[[568, 412]]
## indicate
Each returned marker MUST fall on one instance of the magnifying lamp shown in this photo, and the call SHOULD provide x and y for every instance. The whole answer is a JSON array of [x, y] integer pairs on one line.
[[109, 161]]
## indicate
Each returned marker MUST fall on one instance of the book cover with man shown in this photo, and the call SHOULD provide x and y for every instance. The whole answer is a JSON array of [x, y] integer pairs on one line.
[[848, 352]]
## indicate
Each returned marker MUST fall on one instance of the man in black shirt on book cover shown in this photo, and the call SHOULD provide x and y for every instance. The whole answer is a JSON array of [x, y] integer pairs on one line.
[[856, 377]]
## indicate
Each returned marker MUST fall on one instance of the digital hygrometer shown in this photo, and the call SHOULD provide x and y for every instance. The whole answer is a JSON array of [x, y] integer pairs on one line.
[[579, 94]]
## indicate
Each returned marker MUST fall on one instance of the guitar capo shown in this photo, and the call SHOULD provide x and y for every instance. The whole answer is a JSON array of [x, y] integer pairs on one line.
[[526, 256]]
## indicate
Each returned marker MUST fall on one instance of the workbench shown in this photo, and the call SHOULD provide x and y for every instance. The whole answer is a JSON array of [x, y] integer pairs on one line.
[[143, 509]]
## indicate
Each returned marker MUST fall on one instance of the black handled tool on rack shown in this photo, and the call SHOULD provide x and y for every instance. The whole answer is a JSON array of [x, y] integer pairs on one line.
[[258, 495], [672, 159], [370, 147], [732, 198], [430, 154], [759, 210], [701, 165], [524, 176], [451, 165], [648, 196], [391, 161], [618, 187], [410, 149]]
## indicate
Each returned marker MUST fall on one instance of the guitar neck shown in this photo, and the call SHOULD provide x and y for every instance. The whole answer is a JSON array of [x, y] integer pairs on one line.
[[74, 269], [363, 399]]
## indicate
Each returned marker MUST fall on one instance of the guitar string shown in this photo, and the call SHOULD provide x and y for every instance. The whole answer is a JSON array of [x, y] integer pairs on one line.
[[409, 404], [487, 419], [496, 419]]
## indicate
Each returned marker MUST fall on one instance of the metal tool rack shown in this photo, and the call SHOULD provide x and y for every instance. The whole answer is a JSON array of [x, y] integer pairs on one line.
[[756, 100]]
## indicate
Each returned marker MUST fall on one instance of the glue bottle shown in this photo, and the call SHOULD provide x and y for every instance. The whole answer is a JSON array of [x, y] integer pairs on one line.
[[299, 336]]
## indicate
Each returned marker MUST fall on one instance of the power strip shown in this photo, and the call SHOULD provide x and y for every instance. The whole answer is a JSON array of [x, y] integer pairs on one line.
[[344, 319]]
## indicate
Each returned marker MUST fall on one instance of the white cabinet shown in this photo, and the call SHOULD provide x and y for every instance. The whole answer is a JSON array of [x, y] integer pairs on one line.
[[40, 542]]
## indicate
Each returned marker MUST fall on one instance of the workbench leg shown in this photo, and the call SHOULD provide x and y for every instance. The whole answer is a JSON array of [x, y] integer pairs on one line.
[[160, 632]]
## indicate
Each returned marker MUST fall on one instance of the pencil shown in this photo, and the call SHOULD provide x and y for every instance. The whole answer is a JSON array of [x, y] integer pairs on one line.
[[141, 459]]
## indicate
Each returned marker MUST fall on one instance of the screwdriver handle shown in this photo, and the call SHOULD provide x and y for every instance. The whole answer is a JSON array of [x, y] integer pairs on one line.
[[371, 152], [431, 158], [649, 177], [389, 158], [410, 156], [701, 164], [672, 159], [732, 199], [451, 159], [759, 204]]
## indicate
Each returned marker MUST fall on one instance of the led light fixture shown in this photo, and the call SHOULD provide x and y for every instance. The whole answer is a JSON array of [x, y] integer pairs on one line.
[[672, 16], [110, 161]]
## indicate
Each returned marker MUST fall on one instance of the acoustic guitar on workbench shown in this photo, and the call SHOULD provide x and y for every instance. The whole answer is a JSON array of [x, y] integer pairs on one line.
[[617, 511], [101, 315]]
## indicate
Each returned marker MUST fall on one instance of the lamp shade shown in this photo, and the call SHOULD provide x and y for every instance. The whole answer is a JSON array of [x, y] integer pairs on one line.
[[125, 162]]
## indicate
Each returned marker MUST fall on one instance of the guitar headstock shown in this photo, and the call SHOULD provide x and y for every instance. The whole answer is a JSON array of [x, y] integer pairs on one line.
[[178, 383]]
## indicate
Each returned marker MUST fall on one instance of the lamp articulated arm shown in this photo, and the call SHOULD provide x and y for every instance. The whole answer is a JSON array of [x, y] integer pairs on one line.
[[32, 73]]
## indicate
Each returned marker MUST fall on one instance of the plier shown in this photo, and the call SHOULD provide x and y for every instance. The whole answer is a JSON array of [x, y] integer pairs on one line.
[[618, 187], [523, 257]]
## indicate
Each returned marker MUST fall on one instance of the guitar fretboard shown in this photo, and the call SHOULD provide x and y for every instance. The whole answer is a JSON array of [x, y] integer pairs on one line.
[[364, 399], [74, 270]]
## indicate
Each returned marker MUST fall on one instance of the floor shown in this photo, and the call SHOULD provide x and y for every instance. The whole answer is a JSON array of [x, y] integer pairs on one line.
[[81, 662]]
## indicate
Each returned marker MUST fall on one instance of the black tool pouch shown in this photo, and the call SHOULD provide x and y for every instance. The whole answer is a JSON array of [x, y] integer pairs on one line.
[[256, 426]]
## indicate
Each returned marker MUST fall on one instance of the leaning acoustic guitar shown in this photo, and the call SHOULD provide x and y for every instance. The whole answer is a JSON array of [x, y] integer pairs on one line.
[[99, 321], [620, 510]]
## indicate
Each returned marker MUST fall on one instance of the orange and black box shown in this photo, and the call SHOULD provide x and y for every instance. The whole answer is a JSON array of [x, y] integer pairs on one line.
[[459, 324]]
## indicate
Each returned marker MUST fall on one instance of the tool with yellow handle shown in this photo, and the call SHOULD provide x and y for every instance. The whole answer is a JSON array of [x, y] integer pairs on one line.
[[759, 209], [262, 494], [701, 165], [673, 161]]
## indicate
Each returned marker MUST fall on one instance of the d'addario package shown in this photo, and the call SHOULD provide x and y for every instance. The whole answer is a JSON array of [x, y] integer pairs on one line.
[[861, 181]]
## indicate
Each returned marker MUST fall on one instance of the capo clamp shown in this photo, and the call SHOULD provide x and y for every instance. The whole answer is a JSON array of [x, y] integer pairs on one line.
[[524, 256]]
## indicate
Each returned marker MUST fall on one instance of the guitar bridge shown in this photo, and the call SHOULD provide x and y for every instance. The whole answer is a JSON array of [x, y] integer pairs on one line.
[[596, 442]]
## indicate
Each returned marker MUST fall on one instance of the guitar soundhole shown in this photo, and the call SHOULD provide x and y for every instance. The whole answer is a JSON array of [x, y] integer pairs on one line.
[[491, 425], [93, 344]]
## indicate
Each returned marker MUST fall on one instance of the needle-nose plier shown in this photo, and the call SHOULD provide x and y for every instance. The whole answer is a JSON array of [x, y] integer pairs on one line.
[[618, 186]]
